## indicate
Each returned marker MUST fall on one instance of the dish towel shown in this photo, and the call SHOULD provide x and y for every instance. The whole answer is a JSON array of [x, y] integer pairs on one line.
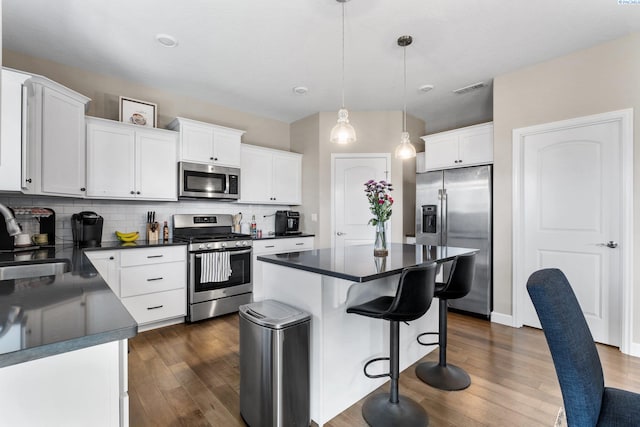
[[215, 267]]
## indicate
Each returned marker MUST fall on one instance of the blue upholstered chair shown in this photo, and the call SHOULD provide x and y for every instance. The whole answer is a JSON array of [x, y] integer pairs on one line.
[[587, 402]]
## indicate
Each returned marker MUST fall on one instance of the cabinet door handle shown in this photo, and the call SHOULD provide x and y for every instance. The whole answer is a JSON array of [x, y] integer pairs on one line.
[[83, 189], [28, 180], [155, 307], [132, 192], [210, 158], [137, 192], [154, 278], [215, 159], [111, 258], [270, 246], [299, 244], [155, 256]]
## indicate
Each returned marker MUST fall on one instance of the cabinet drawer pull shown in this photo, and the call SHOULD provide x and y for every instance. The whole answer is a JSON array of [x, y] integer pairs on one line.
[[270, 246], [155, 256], [154, 307], [154, 278], [299, 244]]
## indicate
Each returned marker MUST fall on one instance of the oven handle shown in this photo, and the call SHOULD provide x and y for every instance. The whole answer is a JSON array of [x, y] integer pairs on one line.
[[245, 251]]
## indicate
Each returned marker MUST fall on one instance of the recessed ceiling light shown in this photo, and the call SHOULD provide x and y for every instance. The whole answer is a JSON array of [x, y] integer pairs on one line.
[[425, 88], [300, 90], [166, 40]]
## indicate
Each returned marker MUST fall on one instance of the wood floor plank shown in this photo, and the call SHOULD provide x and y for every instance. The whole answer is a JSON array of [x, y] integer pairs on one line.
[[189, 374]]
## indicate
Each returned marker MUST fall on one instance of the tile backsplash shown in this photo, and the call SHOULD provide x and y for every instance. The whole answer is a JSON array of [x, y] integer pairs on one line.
[[132, 215]]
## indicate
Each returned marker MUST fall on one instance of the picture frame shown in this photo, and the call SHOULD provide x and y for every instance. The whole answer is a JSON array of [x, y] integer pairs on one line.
[[137, 112]]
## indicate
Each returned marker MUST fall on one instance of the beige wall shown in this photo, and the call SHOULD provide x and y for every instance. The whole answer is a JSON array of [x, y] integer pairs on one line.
[[105, 91], [377, 132], [596, 80]]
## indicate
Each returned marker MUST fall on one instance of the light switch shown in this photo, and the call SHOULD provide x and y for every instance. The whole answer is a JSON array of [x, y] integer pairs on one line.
[[314, 217]]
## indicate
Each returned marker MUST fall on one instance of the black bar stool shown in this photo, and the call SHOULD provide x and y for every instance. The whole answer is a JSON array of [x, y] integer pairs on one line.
[[439, 374], [413, 299]]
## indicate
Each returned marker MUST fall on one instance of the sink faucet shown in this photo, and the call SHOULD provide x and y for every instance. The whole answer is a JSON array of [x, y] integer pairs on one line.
[[13, 227]]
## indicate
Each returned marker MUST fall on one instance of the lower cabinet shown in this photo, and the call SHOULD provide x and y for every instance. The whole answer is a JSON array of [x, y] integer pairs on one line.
[[86, 387], [274, 246], [150, 282]]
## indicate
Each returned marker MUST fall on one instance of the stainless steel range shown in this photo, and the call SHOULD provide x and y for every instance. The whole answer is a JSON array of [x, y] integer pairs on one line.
[[219, 264]]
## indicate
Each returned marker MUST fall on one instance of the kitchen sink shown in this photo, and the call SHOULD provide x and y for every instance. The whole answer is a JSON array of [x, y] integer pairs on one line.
[[28, 270]]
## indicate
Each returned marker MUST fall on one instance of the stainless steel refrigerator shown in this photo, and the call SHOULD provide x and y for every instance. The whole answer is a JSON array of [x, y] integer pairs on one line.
[[454, 208]]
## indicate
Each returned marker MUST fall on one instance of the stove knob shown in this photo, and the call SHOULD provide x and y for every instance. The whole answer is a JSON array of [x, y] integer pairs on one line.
[[209, 245], [201, 247], [237, 243], [245, 243], [223, 244]]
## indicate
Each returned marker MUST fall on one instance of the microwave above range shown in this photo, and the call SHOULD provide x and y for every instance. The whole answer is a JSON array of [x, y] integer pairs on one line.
[[201, 181]]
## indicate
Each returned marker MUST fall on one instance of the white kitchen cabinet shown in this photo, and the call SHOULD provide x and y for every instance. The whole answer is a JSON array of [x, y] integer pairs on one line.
[[55, 145], [208, 143], [467, 146], [107, 263], [274, 246], [13, 119], [86, 387], [151, 282], [270, 176], [128, 162]]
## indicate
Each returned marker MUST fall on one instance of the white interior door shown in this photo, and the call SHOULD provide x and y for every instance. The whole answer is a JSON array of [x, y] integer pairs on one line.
[[571, 206], [351, 207]]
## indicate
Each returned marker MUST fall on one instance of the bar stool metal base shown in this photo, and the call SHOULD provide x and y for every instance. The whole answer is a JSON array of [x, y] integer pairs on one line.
[[378, 410], [448, 377]]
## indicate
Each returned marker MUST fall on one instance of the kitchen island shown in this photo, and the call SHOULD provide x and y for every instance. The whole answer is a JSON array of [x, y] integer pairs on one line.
[[324, 282], [63, 343]]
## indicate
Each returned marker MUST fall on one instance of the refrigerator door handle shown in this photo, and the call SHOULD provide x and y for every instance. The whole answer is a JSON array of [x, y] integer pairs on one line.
[[443, 216]]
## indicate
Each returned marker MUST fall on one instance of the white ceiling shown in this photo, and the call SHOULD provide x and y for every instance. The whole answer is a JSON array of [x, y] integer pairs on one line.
[[249, 54]]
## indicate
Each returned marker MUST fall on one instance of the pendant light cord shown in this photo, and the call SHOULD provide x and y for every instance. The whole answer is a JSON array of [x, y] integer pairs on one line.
[[342, 55], [404, 112]]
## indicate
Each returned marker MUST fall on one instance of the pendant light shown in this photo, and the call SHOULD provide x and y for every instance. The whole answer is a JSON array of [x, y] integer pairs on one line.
[[343, 132], [405, 150]]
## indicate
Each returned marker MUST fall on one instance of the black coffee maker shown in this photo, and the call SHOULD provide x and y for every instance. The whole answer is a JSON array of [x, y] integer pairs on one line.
[[287, 223], [86, 228]]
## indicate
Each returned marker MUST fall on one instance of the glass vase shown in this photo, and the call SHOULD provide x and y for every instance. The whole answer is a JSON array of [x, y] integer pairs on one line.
[[380, 245]]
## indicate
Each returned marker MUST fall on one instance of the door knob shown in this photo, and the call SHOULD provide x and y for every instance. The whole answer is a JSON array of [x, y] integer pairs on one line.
[[340, 233], [610, 244]]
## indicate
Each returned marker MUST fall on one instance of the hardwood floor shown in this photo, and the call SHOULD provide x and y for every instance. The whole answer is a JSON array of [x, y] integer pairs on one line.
[[188, 375]]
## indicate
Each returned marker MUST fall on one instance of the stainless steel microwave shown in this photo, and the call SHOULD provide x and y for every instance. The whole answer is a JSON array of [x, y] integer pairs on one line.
[[208, 182]]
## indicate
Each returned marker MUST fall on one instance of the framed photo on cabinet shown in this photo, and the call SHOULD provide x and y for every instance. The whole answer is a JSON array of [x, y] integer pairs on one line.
[[141, 113]]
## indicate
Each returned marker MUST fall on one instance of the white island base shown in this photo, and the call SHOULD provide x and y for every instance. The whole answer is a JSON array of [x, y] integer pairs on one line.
[[342, 343]]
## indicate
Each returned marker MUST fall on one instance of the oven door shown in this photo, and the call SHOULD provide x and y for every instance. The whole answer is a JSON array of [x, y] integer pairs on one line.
[[209, 182], [238, 283]]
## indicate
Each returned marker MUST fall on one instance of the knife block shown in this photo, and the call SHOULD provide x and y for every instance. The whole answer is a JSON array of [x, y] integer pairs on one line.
[[153, 233]]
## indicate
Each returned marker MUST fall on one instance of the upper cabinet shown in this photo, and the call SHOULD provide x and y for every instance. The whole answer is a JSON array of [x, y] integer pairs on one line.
[[126, 161], [207, 143], [54, 156], [462, 147], [12, 122], [270, 176]]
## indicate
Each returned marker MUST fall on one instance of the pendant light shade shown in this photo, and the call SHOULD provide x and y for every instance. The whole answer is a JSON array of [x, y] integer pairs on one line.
[[343, 132], [405, 150]]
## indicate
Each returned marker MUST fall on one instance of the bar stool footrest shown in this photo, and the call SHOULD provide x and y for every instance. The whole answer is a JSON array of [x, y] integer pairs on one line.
[[377, 359], [378, 411], [427, 343], [447, 377]]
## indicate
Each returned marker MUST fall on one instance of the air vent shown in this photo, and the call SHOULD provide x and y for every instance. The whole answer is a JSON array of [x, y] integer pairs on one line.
[[470, 88]]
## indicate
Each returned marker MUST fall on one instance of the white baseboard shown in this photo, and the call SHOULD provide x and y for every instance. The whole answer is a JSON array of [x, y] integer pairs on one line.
[[503, 319], [634, 349]]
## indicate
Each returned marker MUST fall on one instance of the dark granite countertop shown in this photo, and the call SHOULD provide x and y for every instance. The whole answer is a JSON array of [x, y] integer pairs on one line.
[[49, 315], [357, 263], [290, 236]]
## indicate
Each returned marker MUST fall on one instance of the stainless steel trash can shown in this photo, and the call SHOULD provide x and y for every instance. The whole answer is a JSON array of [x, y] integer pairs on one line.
[[274, 365]]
